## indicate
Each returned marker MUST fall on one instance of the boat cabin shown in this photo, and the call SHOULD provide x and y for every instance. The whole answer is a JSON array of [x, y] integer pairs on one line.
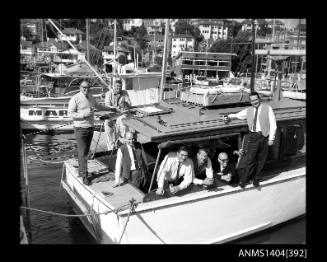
[[176, 123]]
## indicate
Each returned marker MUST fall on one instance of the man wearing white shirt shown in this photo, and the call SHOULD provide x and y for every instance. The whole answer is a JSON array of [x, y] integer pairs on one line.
[[262, 129], [131, 163], [177, 170]]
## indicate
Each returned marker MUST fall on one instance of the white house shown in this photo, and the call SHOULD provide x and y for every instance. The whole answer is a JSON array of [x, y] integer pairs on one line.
[[129, 23], [26, 48], [72, 34], [247, 25], [214, 29], [154, 26], [172, 23], [181, 43]]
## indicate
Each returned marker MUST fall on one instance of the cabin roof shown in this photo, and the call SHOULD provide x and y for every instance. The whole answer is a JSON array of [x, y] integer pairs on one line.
[[194, 121]]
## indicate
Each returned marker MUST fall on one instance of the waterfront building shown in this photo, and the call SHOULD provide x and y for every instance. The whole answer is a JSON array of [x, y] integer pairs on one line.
[[213, 65]]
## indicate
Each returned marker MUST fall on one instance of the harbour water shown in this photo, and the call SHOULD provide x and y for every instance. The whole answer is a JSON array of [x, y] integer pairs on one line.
[[46, 194]]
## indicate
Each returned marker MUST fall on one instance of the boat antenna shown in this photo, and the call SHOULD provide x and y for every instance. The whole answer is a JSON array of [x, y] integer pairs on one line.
[[86, 62], [163, 72]]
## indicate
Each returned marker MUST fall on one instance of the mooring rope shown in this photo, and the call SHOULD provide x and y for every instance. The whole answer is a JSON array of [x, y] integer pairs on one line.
[[116, 210], [131, 209]]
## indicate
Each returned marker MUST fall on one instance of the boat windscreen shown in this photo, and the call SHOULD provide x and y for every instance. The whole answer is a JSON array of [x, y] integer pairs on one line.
[[168, 144]]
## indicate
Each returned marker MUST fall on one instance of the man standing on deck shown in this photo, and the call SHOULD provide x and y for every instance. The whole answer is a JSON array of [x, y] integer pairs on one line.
[[81, 109], [203, 172], [177, 170], [131, 164], [262, 129], [118, 99]]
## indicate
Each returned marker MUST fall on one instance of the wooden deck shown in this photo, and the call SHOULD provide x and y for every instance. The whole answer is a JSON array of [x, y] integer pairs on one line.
[[189, 119], [117, 196]]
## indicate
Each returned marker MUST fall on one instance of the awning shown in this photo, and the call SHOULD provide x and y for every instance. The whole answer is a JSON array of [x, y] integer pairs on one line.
[[168, 144]]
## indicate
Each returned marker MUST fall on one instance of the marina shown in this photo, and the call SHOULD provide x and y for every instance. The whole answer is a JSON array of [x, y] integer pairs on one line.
[[165, 116]]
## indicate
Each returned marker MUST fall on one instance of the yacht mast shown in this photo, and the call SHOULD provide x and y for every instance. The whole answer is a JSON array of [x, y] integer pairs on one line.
[[163, 72], [86, 62], [115, 43], [87, 40], [253, 57]]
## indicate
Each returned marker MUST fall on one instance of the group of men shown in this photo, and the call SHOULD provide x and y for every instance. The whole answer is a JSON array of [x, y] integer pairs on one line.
[[81, 109], [177, 170]]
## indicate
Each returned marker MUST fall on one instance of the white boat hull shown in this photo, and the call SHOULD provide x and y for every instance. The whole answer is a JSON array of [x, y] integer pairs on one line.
[[202, 217], [294, 95]]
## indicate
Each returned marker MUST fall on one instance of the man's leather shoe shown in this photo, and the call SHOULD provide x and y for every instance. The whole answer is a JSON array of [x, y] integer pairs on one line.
[[87, 181], [256, 183], [242, 185]]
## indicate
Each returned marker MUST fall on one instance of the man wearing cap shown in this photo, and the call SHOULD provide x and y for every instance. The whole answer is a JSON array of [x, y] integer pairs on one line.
[[81, 109], [262, 129], [118, 99]]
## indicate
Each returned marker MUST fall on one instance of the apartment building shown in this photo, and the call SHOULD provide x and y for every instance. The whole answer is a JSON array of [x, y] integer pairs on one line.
[[129, 23], [181, 43]]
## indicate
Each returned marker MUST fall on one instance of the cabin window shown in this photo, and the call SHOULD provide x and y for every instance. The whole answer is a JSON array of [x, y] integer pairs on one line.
[[293, 140]]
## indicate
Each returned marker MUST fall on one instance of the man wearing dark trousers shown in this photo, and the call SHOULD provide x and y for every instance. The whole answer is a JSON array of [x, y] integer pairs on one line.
[[131, 163], [81, 109], [262, 129]]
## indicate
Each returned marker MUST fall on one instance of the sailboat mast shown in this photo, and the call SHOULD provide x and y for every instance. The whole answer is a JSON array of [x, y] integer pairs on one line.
[[115, 42], [163, 72], [86, 62], [272, 40], [253, 57], [87, 40]]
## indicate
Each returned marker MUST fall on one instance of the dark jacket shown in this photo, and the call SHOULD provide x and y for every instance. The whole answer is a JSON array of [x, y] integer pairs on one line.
[[231, 169], [140, 158]]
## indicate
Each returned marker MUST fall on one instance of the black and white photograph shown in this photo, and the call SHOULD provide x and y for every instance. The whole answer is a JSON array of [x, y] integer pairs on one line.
[[163, 131]]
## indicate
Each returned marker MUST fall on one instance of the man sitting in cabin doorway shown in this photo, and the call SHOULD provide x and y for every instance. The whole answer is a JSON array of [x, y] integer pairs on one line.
[[131, 164], [203, 173], [177, 170], [262, 129], [226, 170], [118, 99]]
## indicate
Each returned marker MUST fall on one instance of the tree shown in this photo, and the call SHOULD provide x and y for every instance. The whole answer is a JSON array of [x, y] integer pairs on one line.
[[235, 28], [139, 36], [27, 33], [241, 45], [264, 30], [102, 38]]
